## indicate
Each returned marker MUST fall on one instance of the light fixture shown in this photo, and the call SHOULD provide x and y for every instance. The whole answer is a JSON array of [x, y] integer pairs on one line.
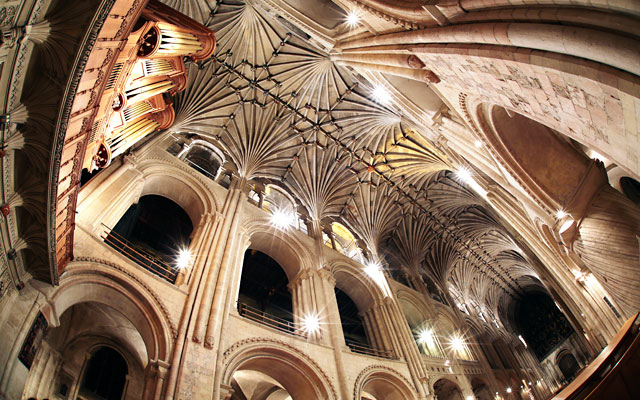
[[353, 19], [282, 218], [597, 156], [184, 257], [425, 336], [508, 390], [566, 225], [381, 95], [561, 214], [464, 174], [522, 340], [446, 363], [310, 323], [478, 143], [457, 343], [374, 271], [470, 397]]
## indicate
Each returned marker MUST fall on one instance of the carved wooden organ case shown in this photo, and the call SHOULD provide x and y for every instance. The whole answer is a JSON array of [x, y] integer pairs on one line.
[[149, 68]]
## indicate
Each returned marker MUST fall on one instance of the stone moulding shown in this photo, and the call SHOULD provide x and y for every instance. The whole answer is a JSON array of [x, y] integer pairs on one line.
[[235, 349], [163, 308], [368, 371]]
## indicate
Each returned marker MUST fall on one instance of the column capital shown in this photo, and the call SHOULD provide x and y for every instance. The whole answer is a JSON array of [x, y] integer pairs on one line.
[[326, 275]]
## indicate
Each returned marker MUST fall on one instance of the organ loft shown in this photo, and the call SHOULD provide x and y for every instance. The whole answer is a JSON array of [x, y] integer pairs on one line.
[[319, 199]]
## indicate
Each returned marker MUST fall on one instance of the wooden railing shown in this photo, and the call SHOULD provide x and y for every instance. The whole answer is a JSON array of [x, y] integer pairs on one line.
[[614, 373], [141, 257], [370, 351], [269, 320]]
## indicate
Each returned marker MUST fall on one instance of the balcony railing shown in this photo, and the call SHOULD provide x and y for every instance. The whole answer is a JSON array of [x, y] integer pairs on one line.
[[269, 320], [140, 256], [370, 351]]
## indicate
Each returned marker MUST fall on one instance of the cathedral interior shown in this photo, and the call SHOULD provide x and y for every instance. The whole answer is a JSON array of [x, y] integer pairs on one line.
[[319, 199]]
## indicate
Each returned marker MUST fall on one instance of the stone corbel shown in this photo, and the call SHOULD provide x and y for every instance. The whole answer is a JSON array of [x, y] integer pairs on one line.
[[577, 207]]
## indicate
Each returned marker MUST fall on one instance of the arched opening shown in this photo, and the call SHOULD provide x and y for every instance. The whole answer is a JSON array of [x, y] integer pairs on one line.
[[96, 353], [352, 326], [480, 389], [204, 159], [264, 295], [255, 385], [568, 365], [268, 371], [277, 200], [362, 323], [105, 376], [631, 189], [445, 389], [153, 233], [423, 331], [345, 242], [384, 386]]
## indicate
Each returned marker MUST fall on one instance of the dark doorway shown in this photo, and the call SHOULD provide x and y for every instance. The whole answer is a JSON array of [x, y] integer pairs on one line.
[[105, 376], [568, 365]]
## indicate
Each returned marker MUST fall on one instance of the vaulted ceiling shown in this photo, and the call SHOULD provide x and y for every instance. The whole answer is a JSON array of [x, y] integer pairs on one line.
[[281, 108]]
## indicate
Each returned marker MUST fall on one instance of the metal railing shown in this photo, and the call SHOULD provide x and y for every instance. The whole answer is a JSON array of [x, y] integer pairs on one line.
[[269, 320], [143, 258], [370, 351]]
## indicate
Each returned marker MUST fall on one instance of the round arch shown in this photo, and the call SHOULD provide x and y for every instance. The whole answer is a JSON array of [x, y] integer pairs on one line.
[[481, 390], [416, 311], [352, 280], [86, 282], [185, 189], [286, 249], [567, 363], [298, 374], [446, 389], [382, 383]]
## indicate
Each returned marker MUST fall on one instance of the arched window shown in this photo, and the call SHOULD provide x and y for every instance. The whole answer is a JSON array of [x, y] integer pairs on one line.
[[282, 207], [345, 242], [153, 233], [204, 159], [277, 200], [264, 295], [105, 376]]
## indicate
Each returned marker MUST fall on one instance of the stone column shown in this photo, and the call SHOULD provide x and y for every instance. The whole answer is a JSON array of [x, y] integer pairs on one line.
[[326, 288]]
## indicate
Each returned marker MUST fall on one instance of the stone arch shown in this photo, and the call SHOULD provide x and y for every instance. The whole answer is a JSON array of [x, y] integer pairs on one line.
[[481, 389], [88, 346], [352, 280], [567, 363], [293, 369], [185, 189], [383, 383], [447, 389], [287, 249], [502, 130], [413, 306], [109, 285]]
